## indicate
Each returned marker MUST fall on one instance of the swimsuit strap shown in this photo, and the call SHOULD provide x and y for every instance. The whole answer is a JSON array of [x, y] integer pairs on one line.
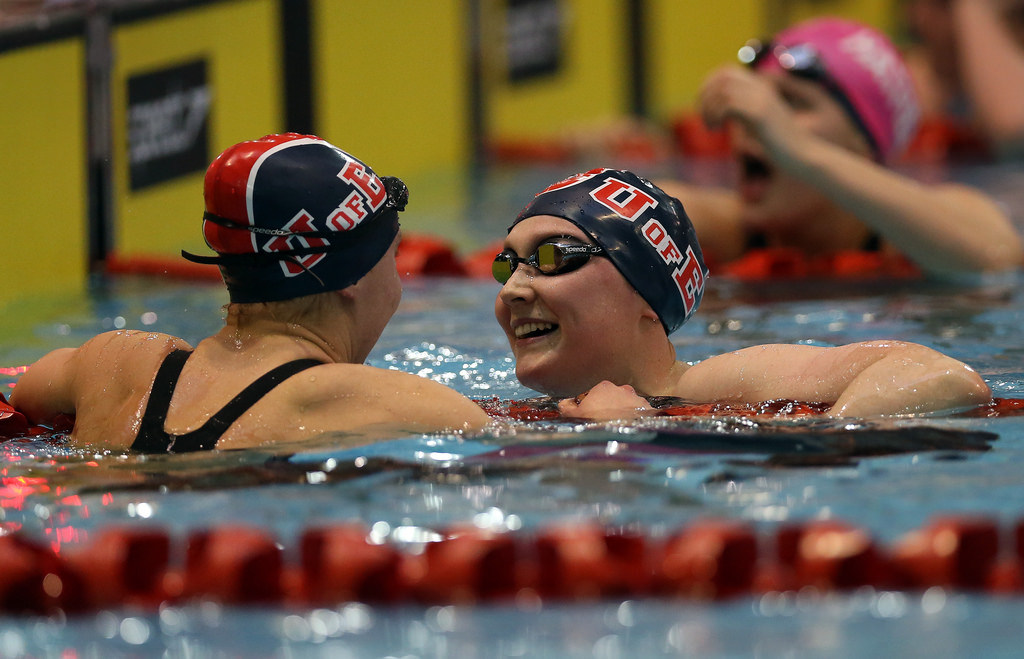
[[152, 437], [205, 437]]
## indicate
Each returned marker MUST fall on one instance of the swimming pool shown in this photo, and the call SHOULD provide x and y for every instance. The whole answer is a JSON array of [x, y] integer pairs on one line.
[[65, 495], [526, 476]]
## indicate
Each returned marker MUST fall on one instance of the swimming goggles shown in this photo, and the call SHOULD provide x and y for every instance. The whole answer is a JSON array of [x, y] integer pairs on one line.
[[804, 61], [550, 258]]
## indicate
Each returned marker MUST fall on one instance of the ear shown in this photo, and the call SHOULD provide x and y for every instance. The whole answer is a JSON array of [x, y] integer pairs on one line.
[[347, 294], [646, 312]]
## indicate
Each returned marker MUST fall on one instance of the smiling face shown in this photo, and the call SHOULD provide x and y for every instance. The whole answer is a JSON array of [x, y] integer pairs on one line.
[[771, 198], [569, 331]]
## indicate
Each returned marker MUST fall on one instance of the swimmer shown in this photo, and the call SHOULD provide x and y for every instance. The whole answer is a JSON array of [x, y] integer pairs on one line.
[[305, 236], [599, 269], [813, 120]]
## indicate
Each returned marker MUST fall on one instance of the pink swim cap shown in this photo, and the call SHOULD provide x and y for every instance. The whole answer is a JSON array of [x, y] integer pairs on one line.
[[867, 69]]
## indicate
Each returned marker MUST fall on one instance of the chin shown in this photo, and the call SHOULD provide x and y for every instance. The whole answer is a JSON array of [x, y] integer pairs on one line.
[[549, 386]]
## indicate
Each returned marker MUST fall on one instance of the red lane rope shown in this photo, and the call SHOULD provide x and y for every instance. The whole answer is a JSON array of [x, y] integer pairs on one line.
[[424, 254], [545, 410], [709, 559]]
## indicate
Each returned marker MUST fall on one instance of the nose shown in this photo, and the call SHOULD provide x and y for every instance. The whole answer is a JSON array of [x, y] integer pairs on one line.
[[737, 134], [519, 287]]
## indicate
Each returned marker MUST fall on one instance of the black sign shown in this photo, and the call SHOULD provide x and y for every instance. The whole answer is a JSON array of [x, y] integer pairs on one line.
[[168, 123], [533, 38]]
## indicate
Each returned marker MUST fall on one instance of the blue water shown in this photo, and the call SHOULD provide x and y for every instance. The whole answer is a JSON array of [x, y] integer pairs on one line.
[[444, 330]]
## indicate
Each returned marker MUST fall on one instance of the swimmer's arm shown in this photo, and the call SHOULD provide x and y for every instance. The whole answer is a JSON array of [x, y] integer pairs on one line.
[[992, 69], [860, 379], [46, 389], [107, 365], [945, 229]]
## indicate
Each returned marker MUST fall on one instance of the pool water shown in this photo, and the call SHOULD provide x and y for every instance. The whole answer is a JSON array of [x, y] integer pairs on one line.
[[638, 477]]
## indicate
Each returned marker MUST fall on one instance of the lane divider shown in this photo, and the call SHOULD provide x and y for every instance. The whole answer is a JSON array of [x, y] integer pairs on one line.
[[418, 255], [708, 560]]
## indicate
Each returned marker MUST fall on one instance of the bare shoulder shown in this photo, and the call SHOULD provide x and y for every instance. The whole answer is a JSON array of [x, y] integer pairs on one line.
[[133, 341], [378, 395], [123, 355]]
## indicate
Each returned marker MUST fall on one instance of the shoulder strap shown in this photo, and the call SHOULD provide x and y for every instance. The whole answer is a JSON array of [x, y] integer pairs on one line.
[[206, 436], [152, 438]]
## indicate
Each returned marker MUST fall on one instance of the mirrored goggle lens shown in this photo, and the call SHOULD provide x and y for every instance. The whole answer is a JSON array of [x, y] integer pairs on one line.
[[503, 266], [549, 258]]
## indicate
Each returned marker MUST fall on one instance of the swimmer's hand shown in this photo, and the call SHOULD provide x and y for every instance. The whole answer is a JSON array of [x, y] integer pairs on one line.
[[606, 401], [737, 94]]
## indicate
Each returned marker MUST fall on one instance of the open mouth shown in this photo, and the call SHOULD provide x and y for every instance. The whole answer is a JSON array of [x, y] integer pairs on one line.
[[533, 330], [754, 168], [755, 178]]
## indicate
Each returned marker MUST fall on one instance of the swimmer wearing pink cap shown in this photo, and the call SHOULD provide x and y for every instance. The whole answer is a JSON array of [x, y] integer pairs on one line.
[[859, 66], [815, 118]]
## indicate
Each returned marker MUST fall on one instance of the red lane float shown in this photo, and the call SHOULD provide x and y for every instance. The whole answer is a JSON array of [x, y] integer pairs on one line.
[[340, 564], [709, 560], [470, 565], [712, 559], [124, 566], [420, 254], [13, 424], [586, 562], [235, 565], [954, 552], [427, 255], [830, 555], [790, 263]]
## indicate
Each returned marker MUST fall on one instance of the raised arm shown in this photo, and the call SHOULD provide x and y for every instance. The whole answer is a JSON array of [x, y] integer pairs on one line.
[[991, 63], [945, 229], [860, 379]]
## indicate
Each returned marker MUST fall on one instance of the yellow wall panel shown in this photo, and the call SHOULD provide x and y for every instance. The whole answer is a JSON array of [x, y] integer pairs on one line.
[[43, 170], [391, 84], [240, 41], [690, 39], [880, 13], [391, 88], [590, 89]]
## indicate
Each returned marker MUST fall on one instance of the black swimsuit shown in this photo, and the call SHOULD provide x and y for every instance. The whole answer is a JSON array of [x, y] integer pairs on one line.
[[152, 437]]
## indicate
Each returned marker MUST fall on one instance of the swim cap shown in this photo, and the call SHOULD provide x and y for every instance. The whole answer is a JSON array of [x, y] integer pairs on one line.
[[292, 215], [867, 71], [643, 230]]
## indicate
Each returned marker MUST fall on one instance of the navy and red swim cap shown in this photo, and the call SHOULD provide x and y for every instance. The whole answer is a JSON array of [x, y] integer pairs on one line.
[[644, 231], [292, 215]]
